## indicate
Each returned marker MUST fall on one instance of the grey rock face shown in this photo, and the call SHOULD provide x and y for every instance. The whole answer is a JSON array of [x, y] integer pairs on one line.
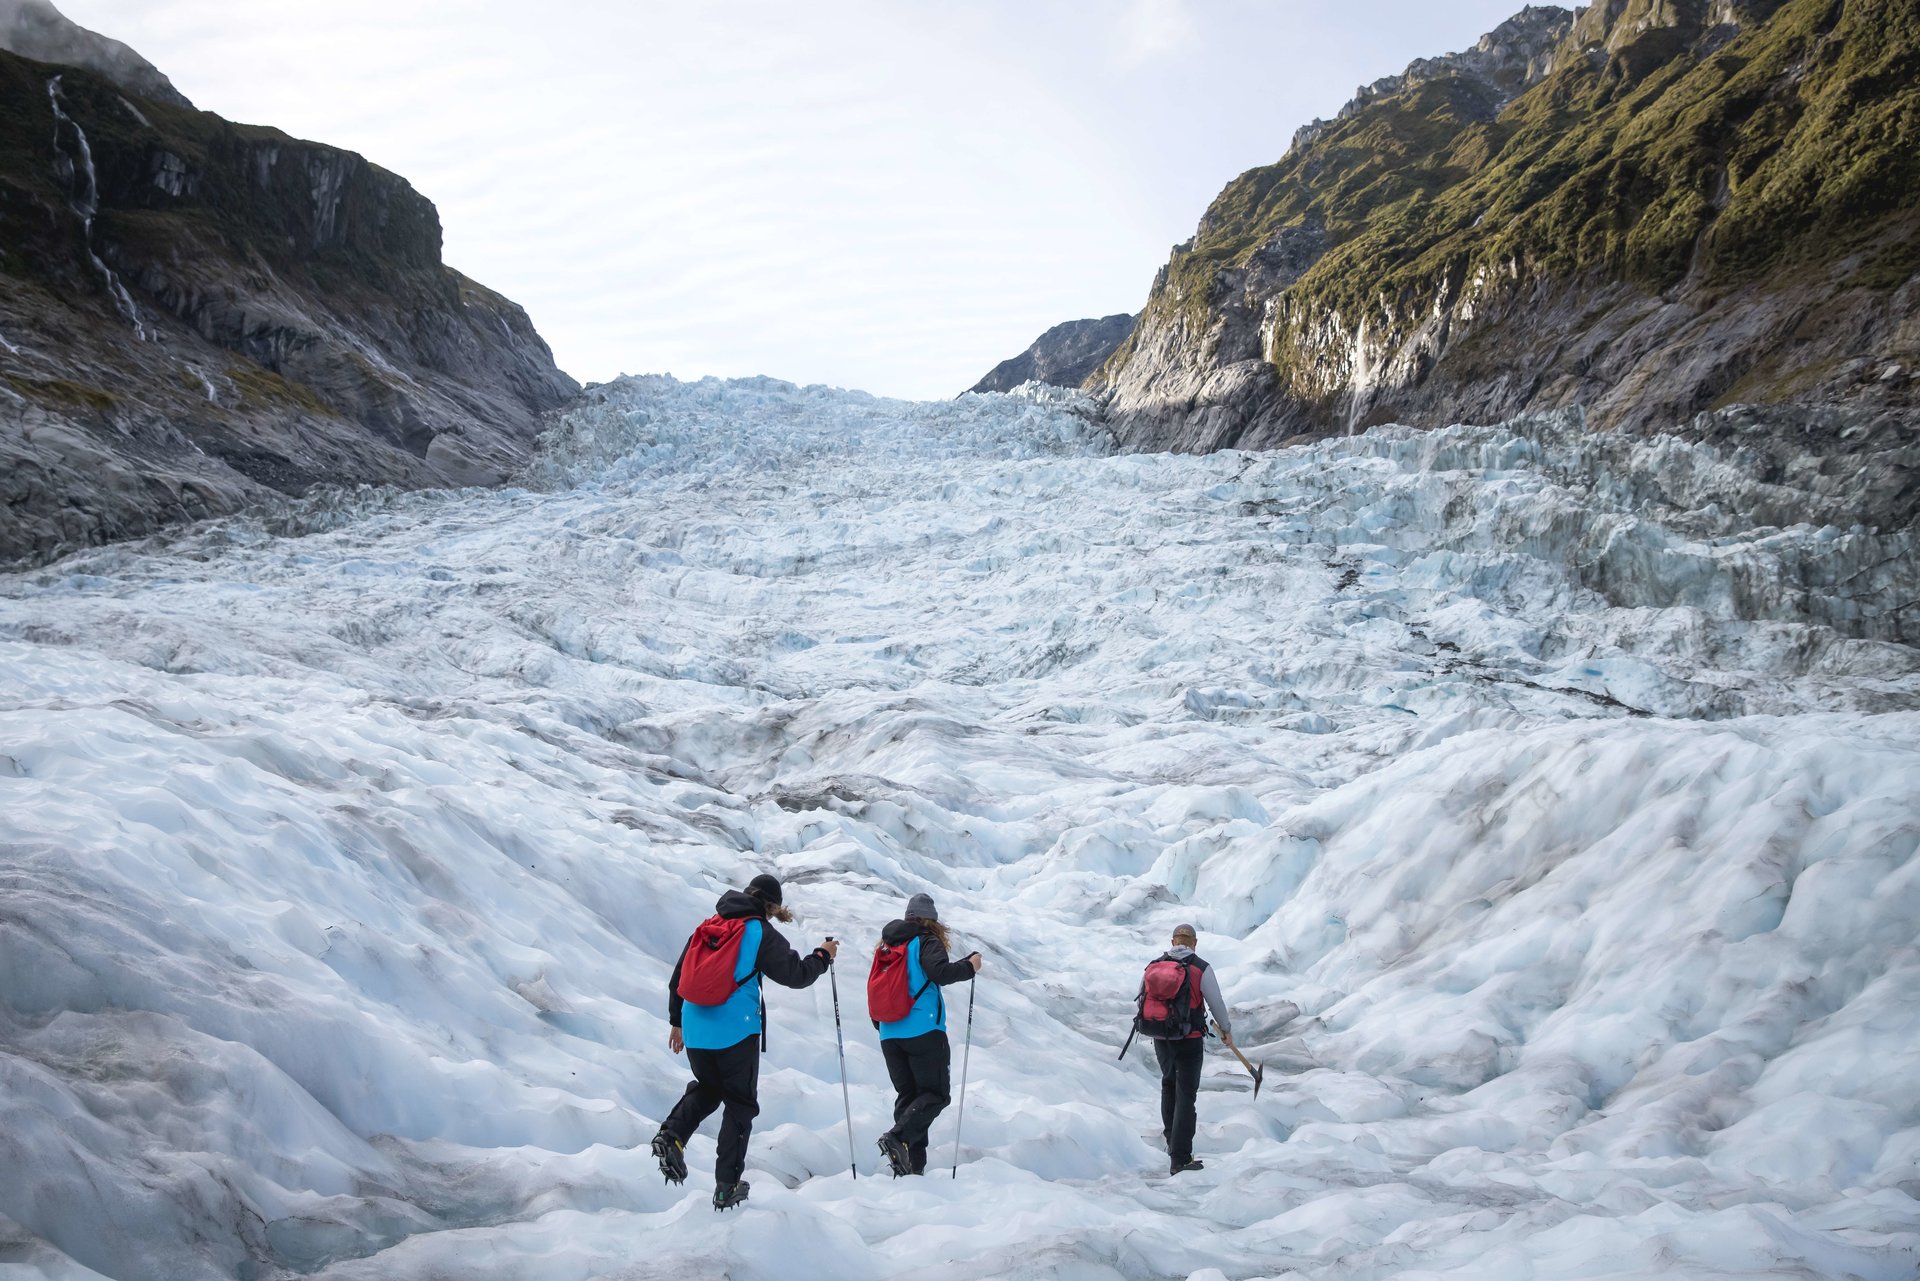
[[1212, 385], [1509, 60], [1267, 348], [199, 315], [1505, 346], [1611, 25], [35, 29], [1063, 356]]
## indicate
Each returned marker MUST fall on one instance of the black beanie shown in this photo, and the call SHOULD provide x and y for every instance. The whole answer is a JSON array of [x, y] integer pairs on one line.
[[765, 888]]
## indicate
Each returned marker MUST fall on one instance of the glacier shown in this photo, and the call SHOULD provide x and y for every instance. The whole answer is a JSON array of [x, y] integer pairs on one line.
[[1547, 800]]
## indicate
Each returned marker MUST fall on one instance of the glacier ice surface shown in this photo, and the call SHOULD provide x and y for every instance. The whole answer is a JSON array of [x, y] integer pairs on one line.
[[1548, 805]]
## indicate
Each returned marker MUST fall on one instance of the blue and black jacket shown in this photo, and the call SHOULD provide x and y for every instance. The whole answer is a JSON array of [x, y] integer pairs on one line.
[[764, 953], [928, 970]]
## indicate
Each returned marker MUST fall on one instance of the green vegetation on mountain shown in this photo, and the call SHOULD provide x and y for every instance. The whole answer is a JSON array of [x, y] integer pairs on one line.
[[1784, 148]]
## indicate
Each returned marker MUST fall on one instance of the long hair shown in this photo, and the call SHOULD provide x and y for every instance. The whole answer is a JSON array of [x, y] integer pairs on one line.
[[778, 911], [937, 931]]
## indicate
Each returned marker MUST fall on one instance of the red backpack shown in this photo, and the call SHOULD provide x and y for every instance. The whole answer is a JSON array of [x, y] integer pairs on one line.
[[888, 998], [712, 955], [1172, 1007]]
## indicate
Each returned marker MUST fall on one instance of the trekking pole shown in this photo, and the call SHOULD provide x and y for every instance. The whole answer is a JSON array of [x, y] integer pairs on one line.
[[841, 1039], [965, 1058]]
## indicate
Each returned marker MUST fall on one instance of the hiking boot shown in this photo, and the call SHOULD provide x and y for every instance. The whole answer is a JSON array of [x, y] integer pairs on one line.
[[1186, 1165], [672, 1157], [898, 1158], [728, 1197]]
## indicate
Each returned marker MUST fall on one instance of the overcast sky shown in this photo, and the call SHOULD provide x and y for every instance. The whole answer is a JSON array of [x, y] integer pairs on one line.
[[885, 194]]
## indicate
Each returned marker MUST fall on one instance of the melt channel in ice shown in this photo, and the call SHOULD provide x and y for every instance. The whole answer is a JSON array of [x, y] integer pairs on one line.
[[1560, 870]]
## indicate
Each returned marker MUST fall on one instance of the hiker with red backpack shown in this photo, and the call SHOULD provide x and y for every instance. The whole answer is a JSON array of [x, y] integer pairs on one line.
[[1175, 994], [718, 1014], [903, 998]]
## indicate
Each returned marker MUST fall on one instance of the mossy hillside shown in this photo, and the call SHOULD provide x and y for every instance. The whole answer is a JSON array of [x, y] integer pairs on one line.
[[250, 189], [26, 127], [64, 394], [36, 234], [261, 387], [1790, 146]]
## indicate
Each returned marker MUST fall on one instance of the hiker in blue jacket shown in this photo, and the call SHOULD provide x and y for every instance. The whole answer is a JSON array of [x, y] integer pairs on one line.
[[724, 1041], [919, 1058]]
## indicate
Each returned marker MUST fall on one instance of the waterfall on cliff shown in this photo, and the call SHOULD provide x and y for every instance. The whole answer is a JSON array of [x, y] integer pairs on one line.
[[78, 172]]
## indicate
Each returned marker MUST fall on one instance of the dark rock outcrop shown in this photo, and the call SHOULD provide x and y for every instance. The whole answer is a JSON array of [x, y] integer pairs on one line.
[[197, 314], [1649, 209], [1063, 356]]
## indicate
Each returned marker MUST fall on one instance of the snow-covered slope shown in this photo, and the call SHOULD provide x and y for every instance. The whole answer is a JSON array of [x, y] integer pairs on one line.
[[1563, 874]]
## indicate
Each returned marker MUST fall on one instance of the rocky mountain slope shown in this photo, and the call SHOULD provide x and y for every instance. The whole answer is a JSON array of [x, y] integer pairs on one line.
[[1064, 356], [1649, 209], [197, 314]]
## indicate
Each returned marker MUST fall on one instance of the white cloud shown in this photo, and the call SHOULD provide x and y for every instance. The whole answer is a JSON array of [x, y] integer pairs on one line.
[[887, 196], [1150, 29]]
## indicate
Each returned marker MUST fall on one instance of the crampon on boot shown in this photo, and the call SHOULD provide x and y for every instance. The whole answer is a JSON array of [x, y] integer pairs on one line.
[[672, 1157], [728, 1197], [898, 1159]]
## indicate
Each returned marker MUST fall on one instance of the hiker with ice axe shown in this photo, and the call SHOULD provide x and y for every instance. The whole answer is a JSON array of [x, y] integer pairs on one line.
[[1175, 994]]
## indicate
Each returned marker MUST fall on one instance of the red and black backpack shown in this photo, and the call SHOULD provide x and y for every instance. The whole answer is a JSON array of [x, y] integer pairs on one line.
[[888, 997], [713, 954], [1171, 1005]]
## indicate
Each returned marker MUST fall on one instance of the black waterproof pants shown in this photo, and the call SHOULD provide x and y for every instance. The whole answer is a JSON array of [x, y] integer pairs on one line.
[[1180, 1063], [922, 1072], [730, 1076]]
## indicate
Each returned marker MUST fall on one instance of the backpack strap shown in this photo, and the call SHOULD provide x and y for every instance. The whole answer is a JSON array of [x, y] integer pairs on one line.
[[1198, 997], [940, 1013], [758, 980], [753, 973]]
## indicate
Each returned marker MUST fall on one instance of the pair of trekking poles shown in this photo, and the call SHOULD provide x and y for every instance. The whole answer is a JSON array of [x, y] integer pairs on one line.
[[846, 1098]]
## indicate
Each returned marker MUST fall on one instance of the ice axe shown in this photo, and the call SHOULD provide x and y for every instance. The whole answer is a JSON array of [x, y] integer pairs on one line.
[[1257, 1073]]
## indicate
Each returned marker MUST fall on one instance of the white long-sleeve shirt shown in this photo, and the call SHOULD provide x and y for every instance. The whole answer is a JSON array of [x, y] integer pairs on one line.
[[1209, 988]]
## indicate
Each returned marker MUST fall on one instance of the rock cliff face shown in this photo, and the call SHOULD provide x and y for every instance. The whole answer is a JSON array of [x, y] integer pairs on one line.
[[196, 314], [1650, 209], [1063, 356]]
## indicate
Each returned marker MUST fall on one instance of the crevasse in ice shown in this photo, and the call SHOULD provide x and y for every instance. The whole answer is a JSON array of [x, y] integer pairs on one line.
[[1547, 802]]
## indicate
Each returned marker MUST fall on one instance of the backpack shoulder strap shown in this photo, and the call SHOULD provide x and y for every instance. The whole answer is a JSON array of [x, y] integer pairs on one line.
[[759, 937], [754, 976], [913, 954]]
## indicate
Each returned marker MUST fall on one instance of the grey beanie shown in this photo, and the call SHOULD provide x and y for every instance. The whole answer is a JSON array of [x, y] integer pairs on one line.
[[920, 908]]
